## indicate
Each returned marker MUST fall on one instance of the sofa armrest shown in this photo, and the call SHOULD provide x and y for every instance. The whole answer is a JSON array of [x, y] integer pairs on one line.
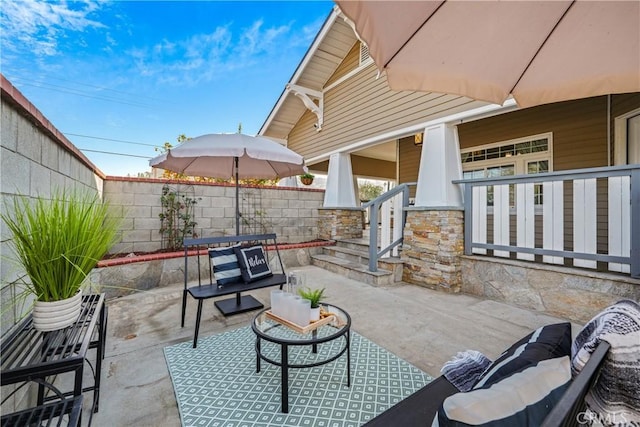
[[418, 409], [565, 413]]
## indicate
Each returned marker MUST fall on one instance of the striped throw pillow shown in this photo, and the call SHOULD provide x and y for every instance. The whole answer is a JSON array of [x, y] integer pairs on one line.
[[224, 264], [519, 388]]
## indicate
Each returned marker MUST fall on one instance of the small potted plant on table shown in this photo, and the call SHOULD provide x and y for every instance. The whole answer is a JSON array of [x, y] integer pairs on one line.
[[315, 296], [307, 178]]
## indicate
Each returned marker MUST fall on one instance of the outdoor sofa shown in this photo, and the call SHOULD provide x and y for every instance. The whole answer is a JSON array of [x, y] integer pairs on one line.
[[420, 408]]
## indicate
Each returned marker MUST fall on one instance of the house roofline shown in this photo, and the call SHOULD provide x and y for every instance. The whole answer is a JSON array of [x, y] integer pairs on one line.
[[326, 27]]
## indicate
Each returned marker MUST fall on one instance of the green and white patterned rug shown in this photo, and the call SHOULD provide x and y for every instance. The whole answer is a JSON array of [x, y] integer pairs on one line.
[[216, 384]]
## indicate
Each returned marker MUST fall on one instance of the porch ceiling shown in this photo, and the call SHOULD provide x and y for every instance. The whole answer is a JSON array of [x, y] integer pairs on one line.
[[328, 50], [385, 151]]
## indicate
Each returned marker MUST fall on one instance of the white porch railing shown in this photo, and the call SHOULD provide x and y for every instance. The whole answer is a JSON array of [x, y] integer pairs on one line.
[[389, 207], [588, 218]]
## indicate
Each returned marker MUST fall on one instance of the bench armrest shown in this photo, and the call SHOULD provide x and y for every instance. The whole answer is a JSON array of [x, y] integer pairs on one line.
[[566, 411]]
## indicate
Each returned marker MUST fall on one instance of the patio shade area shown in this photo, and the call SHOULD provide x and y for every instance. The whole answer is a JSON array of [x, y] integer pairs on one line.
[[424, 327]]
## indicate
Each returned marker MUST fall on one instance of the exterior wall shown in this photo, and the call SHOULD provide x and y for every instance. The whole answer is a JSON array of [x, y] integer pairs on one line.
[[35, 160], [574, 294], [579, 141], [350, 63], [579, 129], [291, 213], [621, 104], [408, 162], [363, 107]]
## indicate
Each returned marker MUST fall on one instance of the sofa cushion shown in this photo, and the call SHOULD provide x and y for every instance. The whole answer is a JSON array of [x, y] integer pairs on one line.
[[520, 387], [546, 342], [522, 399], [253, 263]]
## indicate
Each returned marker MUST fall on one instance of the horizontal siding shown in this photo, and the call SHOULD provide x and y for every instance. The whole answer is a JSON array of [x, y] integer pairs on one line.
[[408, 162], [350, 63], [363, 107], [373, 168], [579, 131]]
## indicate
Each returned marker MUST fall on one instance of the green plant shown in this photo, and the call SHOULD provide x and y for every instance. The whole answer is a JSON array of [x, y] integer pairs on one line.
[[176, 218], [59, 241], [307, 175], [313, 295], [368, 191]]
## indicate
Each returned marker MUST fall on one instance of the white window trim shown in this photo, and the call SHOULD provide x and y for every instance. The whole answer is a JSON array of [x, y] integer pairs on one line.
[[518, 160], [620, 136]]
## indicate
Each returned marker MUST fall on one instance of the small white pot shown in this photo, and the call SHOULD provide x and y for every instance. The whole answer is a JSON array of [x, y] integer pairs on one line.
[[54, 315], [315, 314]]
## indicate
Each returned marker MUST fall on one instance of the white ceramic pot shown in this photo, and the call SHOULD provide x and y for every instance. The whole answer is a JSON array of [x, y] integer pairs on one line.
[[315, 314], [54, 315]]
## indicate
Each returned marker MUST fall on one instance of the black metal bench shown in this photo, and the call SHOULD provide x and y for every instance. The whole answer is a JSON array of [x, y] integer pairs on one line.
[[420, 408], [48, 414], [240, 303]]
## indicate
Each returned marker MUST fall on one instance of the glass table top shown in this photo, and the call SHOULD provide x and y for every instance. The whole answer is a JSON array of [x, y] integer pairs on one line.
[[271, 329]]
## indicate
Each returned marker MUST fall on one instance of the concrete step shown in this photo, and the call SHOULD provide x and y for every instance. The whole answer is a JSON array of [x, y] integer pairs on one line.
[[353, 270], [361, 256], [355, 244]]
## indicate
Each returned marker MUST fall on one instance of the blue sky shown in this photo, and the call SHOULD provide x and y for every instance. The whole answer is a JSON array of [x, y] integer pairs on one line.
[[145, 72]]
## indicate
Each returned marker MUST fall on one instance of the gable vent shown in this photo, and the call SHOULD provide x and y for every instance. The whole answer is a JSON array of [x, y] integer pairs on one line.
[[364, 54]]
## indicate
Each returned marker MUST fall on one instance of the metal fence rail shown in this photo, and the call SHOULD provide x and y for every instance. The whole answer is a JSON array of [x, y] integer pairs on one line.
[[588, 218], [389, 207]]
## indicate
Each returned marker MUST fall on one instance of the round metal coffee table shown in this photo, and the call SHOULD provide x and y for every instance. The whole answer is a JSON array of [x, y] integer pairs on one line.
[[269, 329]]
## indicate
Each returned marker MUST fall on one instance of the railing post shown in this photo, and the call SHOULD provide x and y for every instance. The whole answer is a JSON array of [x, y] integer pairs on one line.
[[635, 224], [373, 237], [468, 218]]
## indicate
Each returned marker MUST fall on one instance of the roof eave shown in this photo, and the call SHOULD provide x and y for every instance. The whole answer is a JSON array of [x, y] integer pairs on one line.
[[326, 27]]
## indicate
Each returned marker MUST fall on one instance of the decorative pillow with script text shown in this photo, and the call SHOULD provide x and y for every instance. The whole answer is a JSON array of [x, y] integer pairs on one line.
[[253, 263]]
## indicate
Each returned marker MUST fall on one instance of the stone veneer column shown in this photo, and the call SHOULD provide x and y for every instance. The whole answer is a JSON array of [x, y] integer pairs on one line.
[[433, 244], [339, 223]]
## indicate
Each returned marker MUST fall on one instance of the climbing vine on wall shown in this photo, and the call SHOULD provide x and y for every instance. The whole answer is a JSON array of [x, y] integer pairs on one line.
[[177, 217]]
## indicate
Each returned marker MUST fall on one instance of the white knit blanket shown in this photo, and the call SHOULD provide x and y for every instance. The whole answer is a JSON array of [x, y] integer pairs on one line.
[[465, 368], [614, 400]]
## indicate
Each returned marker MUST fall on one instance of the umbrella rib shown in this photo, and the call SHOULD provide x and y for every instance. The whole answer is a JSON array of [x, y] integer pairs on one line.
[[542, 45], [414, 33], [187, 166]]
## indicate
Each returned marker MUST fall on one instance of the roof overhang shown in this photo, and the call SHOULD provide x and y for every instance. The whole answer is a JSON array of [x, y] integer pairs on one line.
[[331, 45]]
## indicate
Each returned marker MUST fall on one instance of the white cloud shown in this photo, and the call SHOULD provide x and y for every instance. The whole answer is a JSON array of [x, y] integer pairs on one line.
[[204, 56], [39, 26]]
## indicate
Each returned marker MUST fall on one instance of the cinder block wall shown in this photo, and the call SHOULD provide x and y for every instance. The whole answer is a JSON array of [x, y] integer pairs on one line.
[[291, 213], [35, 160]]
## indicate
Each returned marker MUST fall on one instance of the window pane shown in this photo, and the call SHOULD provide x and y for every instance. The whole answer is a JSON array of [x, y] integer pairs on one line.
[[475, 174], [523, 148], [539, 145], [507, 150], [493, 153], [538, 167]]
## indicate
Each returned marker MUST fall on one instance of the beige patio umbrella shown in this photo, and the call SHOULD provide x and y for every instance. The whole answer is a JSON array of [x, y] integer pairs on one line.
[[537, 51], [231, 155]]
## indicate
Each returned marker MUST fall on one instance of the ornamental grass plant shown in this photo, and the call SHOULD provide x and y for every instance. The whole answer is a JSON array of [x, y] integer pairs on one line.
[[58, 241]]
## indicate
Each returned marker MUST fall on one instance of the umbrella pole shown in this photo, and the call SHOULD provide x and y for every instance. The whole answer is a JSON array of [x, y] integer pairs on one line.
[[237, 198]]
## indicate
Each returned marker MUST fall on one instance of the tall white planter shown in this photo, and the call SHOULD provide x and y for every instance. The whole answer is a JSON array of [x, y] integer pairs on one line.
[[54, 315]]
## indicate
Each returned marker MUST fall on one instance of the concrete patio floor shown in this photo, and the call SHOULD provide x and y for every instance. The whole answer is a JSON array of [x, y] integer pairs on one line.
[[422, 326]]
